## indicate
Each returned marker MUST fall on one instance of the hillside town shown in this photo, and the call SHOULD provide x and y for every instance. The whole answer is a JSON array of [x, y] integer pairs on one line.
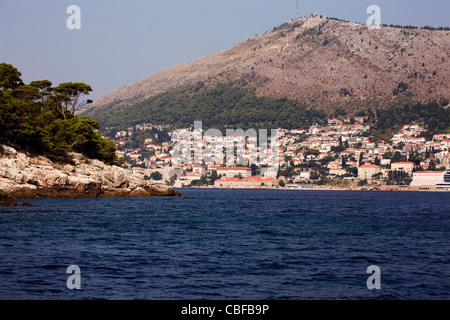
[[340, 155]]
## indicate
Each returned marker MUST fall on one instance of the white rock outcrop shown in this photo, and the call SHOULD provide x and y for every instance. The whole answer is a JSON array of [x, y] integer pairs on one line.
[[25, 176]]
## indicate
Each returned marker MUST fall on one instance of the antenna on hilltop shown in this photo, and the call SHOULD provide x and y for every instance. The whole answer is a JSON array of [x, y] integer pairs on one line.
[[297, 10]]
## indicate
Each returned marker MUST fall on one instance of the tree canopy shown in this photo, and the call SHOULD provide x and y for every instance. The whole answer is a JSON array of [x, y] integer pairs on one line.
[[74, 90], [219, 107], [40, 119], [9, 77]]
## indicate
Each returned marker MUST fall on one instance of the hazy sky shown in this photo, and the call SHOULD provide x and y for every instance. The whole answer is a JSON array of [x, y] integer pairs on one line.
[[121, 42]]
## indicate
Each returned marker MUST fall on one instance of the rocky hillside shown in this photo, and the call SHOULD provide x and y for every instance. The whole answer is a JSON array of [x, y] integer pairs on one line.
[[22, 176], [319, 62]]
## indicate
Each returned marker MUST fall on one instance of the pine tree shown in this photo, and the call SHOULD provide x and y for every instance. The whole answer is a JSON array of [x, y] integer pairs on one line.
[[344, 163], [377, 161], [432, 166]]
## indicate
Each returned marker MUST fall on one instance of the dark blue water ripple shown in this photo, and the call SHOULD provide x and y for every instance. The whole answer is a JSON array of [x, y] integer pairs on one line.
[[229, 244]]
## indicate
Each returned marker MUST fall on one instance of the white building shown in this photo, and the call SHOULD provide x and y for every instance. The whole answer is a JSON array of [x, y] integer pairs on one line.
[[407, 167], [271, 173], [427, 178], [138, 170], [306, 175], [366, 171], [121, 134], [231, 172], [338, 172], [199, 170], [446, 184]]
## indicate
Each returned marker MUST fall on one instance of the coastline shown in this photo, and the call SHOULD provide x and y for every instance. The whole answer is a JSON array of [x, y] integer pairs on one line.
[[25, 177], [10, 199], [321, 188], [95, 192]]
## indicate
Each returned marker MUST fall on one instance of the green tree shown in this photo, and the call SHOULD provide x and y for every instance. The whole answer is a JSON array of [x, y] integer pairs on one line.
[[74, 90], [255, 170], [353, 171], [397, 157], [44, 87], [9, 77], [34, 118], [344, 163], [361, 159], [25, 92], [223, 105], [156, 176], [398, 178], [214, 176], [377, 161], [362, 183], [312, 151], [432, 166], [338, 149]]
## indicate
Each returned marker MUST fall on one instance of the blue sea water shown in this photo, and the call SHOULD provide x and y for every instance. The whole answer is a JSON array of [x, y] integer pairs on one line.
[[229, 244]]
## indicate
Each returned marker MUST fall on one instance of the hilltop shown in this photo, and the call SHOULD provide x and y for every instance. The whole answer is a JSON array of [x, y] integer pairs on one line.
[[319, 63]]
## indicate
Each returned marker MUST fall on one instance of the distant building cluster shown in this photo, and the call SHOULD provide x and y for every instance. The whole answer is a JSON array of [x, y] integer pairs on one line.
[[340, 151]]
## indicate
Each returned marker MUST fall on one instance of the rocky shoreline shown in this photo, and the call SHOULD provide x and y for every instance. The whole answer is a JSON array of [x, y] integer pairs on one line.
[[23, 177]]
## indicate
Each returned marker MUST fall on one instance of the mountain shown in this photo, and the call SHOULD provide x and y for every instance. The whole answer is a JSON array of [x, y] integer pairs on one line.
[[321, 64]]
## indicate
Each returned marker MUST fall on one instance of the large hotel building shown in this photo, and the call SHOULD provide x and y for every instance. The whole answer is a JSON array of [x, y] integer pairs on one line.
[[431, 179]]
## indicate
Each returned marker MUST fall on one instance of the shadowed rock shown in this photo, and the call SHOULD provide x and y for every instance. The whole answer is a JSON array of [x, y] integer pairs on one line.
[[7, 201]]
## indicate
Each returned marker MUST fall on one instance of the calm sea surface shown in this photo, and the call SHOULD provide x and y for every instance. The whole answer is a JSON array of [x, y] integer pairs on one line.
[[229, 244]]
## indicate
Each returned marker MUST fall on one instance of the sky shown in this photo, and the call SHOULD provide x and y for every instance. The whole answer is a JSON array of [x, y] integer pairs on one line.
[[121, 42]]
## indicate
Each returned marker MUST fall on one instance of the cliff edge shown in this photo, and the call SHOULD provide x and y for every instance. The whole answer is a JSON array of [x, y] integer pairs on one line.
[[24, 176]]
